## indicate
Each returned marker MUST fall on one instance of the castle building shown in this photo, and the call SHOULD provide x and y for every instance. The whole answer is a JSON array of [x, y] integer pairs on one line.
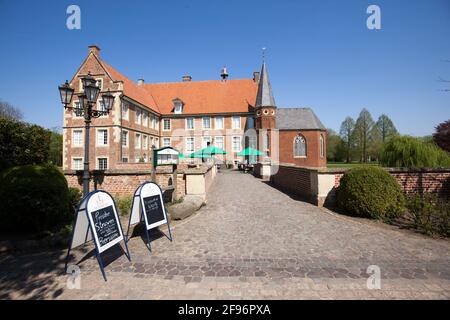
[[230, 114]]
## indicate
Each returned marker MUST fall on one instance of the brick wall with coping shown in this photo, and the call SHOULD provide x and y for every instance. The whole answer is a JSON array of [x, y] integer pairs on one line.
[[318, 186]]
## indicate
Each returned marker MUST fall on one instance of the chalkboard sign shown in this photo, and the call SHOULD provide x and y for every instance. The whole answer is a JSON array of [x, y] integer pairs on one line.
[[105, 224], [153, 205], [96, 219], [104, 220], [148, 207], [153, 208]]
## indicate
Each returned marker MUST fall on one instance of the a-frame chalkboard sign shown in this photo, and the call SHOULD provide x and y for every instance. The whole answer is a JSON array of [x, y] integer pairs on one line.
[[96, 219], [148, 207]]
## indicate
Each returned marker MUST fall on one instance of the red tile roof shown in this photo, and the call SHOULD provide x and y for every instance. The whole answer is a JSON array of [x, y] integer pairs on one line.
[[200, 97], [215, 96], [132, 90]]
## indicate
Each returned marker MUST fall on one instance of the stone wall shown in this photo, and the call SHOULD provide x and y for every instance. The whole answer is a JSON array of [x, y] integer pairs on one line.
[[318, 186], [125, 182]]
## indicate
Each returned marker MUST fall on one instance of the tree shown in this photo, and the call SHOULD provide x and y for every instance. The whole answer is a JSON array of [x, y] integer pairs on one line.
[[363, 133], [442, 135], [410, 152], [55, 147], [22, 143], [346, 133], [10, 112], [385, 127], [335, 147]]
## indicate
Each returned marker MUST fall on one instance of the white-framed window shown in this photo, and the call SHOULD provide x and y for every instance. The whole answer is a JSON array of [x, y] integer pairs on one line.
[[166, 124], [102, 163], [218, 122], [145, 157], [322, 146], [145, 119], [77, 111], [236, 144], [151, 142], [300, 147], [77, 164], [145, 142], [206, 122], [236, 122], [99, 83], [102, 137], [138, 117], [166, 142], [205, 141], [250, 123], [157, 142], [77, 138], [218, 142], [124, 111], [137, 141], [190, 143], [81, 85], [101, 107], [156, 123], [124, 138], [178, 108], [152, 121], [125, 159], [190, 124]]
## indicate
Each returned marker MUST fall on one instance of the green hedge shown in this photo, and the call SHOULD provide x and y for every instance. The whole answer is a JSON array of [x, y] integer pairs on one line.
[[370, 192], [34, 198], [410, 152], [431, 214]]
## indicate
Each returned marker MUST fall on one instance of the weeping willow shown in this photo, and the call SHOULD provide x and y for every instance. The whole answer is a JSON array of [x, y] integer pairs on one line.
[[410, 152]]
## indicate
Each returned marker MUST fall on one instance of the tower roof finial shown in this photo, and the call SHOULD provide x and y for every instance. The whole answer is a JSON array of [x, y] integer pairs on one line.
[[264, 97], [263, 54]]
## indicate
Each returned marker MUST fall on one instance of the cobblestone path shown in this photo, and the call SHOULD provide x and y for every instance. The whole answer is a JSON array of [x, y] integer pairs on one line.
[[250, 241]]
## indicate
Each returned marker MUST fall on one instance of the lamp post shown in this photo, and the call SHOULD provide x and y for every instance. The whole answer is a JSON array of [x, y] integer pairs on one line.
[[87, 101]]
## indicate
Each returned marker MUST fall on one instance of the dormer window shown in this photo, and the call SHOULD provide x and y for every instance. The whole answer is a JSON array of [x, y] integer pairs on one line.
[[177, 106]]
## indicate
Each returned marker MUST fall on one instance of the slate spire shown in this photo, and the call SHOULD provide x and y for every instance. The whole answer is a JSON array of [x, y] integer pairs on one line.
[[264, 97]]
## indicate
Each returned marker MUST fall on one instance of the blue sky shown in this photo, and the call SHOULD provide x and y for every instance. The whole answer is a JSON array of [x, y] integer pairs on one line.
[[319, 53]]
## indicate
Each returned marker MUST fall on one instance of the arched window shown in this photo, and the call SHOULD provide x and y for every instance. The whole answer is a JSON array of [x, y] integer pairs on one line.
[[322, 146], [299, 146]]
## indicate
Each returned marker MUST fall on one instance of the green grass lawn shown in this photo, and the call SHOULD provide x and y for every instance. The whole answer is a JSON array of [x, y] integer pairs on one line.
[[349, 165]]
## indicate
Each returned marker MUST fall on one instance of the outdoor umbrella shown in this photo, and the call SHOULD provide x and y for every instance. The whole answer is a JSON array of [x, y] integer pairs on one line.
[[207, 152]]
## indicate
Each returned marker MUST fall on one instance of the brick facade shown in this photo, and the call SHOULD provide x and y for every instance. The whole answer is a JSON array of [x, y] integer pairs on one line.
[[313, 157]]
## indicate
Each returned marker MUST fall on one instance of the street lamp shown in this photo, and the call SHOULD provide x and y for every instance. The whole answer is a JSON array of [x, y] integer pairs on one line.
[[87, 100]]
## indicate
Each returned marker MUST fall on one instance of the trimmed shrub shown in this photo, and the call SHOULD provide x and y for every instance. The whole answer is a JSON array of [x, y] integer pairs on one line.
[[431, 214], [370, 192], [410, 152], [124, 204], [34, 198]]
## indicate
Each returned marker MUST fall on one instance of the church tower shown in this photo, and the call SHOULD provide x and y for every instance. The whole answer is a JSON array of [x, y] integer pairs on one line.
[[265, 114], [265, 103]]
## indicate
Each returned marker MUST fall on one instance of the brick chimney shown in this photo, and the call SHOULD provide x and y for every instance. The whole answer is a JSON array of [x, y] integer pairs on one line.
[[140, 82], [256, 76], [95, 50], [186, 78]]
